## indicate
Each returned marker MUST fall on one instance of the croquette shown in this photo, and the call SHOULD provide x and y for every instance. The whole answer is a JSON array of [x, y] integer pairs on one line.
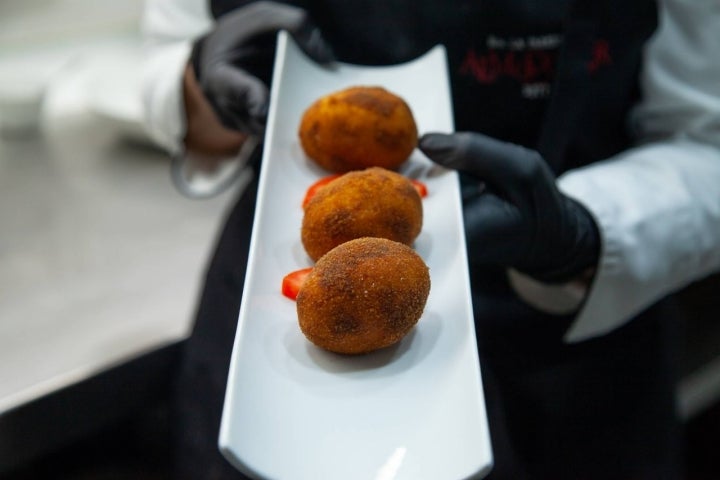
[[374, 202], [363, 295], [358, 127]]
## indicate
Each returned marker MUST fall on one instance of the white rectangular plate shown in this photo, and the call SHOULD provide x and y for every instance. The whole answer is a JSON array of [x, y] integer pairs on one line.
[[413, 411]]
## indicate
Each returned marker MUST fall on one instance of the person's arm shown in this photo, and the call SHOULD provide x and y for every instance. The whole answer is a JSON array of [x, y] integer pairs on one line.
[[206, 81], [658, 205], [169, 28]]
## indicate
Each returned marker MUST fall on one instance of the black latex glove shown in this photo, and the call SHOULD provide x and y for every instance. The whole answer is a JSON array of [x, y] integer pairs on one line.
[[520, 219], [233, 63]]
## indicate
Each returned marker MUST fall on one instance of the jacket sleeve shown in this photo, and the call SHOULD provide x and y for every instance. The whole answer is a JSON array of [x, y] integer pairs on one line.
[[169, 28], [657, 205]]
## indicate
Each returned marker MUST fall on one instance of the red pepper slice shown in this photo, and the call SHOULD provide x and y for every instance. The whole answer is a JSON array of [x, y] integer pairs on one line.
[[420, 187], [293, 281]]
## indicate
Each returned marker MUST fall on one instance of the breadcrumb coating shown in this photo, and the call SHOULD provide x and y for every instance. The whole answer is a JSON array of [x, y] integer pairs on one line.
[[358, 127], [374, 202], [363, 295]]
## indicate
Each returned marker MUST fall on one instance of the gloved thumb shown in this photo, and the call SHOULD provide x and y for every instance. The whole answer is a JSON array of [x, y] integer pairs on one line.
[[510, 169], [448, 150], [478, 154]]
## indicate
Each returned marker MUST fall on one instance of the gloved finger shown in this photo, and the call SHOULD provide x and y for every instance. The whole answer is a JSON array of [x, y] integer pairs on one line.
[[311, 41], [257, 18], [495, 230], [261, 18], [241, 97], [517, 172]]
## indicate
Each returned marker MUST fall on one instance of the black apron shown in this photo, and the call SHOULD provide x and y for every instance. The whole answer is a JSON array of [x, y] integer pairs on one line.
[[555, 76]]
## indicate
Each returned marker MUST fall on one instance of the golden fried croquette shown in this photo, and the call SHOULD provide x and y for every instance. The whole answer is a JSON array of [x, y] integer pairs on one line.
[[363, 295], [374, 202], [358, 127]]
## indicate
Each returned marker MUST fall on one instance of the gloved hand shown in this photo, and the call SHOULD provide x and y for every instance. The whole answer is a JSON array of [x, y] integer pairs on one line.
[[521, 219], [233, 63]]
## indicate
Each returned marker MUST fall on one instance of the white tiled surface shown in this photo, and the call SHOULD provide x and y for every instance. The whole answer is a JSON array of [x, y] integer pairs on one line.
[[100, 258]]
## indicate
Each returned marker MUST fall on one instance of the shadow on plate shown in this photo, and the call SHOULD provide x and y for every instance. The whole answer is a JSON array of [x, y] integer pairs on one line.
[[410, 351]]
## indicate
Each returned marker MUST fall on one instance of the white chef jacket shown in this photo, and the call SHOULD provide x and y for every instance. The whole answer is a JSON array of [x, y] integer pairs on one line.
[[657, 205]]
